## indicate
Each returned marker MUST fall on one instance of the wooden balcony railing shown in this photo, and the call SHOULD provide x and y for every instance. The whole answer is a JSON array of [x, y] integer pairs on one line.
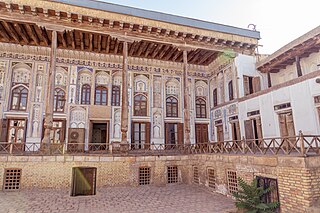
[[302, 145]]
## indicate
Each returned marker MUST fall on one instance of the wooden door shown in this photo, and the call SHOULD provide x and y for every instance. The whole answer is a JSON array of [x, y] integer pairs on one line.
[[84, 181], [236, 135], [201, 133], [140, 135], [220, 137]]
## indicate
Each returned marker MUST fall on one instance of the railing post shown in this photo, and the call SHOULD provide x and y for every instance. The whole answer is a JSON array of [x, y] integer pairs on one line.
[[243, 144], [301, 140], [63, 148], [11, 148]]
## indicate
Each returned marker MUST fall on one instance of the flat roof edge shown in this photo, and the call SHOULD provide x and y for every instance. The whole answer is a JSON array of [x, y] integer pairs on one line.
[[159, 16]]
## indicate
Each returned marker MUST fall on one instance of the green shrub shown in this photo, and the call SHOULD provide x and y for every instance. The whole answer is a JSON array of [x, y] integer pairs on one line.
[[249, 198]]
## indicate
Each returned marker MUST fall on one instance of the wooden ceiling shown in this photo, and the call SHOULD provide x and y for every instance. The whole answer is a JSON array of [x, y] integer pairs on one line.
[[31, 34], [301, 50]]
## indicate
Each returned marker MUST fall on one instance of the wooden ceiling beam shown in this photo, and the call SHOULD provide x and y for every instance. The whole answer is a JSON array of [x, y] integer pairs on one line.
[[63, 39], [171, 52], [23, 34], [73, 40], [156, 51], [164, 51], [178, 53], [206, 57], [44, 36], [116, 46], [32, 34], [11, 31], [132, 48], [81, 34], [108, 44], [4, 33], [142, 48], [150, 47], [99, 42]]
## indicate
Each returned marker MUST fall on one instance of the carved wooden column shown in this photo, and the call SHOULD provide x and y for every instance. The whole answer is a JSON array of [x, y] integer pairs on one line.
[[186, 103], [124, 107], [48, 120]]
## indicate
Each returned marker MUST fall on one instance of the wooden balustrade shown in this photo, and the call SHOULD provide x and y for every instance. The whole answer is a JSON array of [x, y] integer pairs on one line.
[[301, 145]]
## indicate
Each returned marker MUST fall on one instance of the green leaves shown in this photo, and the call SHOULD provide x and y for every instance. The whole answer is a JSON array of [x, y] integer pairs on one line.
[[249, 197]]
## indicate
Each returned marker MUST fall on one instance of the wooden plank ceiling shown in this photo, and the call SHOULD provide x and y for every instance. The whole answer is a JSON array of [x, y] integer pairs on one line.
[[31, 34], [302, 50]]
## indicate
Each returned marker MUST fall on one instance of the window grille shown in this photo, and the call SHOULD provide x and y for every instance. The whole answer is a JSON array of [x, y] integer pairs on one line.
[[172, 174], [12, 179], [196, 175], [232, 181], [144, 175], [211, 179]]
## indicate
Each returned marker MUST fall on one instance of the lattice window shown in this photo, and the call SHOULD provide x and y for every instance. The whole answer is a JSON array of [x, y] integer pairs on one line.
[[172, 174], [12, 179], [211, 179], [232, 181], [144, 175], [196, 174]]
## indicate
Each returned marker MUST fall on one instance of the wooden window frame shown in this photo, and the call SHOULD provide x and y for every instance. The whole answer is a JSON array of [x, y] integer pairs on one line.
[[85, 94], [230, 89], [140, 101], [16, 130], [201, 105], [58, 98], [115, 95], [103, 92], [215, 97], [172, 106], [19, 95]]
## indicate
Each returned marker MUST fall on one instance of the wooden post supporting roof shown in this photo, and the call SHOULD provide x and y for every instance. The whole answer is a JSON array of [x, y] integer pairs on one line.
[[124, 107], [48, 120], [186, 103]]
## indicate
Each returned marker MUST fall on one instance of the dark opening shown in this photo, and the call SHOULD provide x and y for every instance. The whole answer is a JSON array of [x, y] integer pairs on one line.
[[273, 195], [83, 181]]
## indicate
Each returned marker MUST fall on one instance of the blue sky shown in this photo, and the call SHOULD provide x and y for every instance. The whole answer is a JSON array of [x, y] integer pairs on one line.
[[279, 21]]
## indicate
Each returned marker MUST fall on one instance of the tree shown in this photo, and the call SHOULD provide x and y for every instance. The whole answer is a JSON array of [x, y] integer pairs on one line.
[[249, 198]]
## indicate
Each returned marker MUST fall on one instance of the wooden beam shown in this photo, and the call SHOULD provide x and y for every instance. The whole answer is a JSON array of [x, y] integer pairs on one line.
[[142, 48], [91, 42], [206, 57], [148, 50], [178, 53], [197, 56], [169, 55], [20, 30], [99, 43], [11, 31], [108, 44], [33, 34], [4, 33], [81, 40], [73, 40], [116, 46], [156, 51], [63, 39], [45, 36], [132, 48], [164, 51]]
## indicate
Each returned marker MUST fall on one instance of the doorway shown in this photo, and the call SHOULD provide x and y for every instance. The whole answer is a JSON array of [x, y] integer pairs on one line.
[[83, 181], [220, 137], [100, 139], [174, 134], [201, 133], [140, 135]]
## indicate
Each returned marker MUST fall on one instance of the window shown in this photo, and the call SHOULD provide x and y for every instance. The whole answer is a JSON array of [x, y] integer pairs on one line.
[[57, 133], [251, 84], [196, 175], [12, 179], [172, 172], [232, 181], [230, 88], [201, 108], [140, 105], [101, 97], [19, 98], [144, 175], [211, 178], [85, 94], [59, 100], [172, 107], [115, 96], [16, 131], [215, 97], [273, 195]]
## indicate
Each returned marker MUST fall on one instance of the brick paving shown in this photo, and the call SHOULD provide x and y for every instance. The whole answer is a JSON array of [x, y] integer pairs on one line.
[[173, 198]]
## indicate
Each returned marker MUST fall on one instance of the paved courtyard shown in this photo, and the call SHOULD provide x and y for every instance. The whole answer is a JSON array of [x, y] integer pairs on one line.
[[175, 198]]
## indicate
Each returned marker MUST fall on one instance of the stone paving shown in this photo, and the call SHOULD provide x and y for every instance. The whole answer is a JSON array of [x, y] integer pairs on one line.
[[173, 198]]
